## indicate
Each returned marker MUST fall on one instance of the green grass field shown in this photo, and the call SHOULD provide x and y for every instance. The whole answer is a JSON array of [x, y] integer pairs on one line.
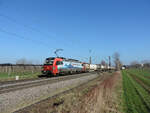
[[25, 75], [136, 90]]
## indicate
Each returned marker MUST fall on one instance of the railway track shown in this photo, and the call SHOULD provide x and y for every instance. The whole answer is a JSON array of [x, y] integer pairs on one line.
[[23, 110], [18, 85]]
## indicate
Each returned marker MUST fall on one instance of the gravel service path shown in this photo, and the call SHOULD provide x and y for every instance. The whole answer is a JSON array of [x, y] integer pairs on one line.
[[12, 101], [7, 87], [26, 81]]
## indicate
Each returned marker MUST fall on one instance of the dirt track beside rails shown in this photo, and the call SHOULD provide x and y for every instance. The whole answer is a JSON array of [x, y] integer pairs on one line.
[[103, 98], [101, 95]]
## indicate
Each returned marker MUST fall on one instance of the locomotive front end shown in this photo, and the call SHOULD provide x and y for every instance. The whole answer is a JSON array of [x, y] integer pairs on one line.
[[47, 68]]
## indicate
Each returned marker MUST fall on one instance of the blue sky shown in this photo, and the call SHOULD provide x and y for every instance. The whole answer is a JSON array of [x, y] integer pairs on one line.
[[104, 26]]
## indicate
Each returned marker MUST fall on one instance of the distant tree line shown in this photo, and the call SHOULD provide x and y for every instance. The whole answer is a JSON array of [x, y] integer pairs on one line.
[[116, 59], [142, 64], [21, 66], [118, 64], [9, 64]]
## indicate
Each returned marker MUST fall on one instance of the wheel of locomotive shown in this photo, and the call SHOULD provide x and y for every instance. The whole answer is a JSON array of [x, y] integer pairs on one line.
[[57, 74]]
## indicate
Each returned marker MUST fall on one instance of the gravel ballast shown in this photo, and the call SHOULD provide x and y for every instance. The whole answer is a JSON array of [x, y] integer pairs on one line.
[[12, 101]]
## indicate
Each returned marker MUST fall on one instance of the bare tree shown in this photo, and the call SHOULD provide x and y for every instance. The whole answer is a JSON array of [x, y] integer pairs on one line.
[[103, 63], [134, 63], [116, 57], [21, 61], [36, 62], [146, 63], [24, 61], [29, 61]]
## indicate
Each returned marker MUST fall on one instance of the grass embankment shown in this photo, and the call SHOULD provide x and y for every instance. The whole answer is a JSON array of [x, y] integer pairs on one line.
[[136, 94], [25, 75]]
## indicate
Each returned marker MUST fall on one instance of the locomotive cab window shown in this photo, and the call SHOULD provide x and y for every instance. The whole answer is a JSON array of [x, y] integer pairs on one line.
[[49, 61], [59, 63]]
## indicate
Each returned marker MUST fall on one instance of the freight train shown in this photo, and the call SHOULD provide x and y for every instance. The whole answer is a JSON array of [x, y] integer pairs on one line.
[[60, 65]]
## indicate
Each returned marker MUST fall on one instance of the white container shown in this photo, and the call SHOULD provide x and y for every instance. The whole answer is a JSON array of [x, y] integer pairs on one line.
[[17, 77], [93, 67], [123, 68]]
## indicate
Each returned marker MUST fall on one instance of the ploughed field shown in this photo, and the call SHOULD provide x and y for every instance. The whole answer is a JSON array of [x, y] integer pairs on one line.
[[136, 90]]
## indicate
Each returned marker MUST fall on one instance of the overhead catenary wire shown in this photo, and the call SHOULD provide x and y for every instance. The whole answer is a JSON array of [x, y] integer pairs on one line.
[[18, 36], [24, 25], [22, 37], [30, 28], [39, 41]]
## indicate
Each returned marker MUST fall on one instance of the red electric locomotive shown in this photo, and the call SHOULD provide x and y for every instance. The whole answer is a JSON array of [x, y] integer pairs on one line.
[[58, 65]]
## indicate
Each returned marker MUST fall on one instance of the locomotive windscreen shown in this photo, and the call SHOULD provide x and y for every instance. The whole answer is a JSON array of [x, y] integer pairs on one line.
[[49, 61]]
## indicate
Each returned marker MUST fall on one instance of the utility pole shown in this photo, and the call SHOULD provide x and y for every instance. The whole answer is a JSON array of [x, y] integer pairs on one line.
[[109, 61], [90, 59]]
